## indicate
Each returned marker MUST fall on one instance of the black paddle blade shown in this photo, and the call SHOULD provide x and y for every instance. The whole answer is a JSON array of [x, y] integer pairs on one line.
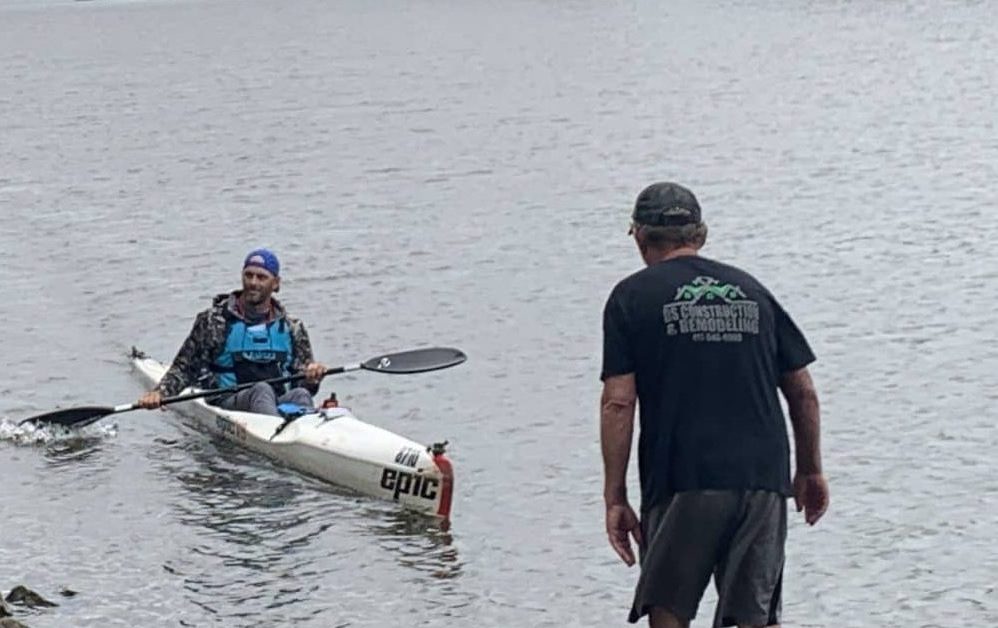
[[416, 361], [71, 417]]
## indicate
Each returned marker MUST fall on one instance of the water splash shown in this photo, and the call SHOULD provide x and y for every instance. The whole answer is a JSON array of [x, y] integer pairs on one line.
[[30, 434]]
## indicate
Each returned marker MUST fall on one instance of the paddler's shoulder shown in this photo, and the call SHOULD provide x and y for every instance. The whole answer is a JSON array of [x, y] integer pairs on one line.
[[223, 307], [220, 303], [280, 313], [295, 324]]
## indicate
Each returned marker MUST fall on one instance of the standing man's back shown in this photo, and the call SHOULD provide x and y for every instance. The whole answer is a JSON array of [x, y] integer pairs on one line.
[[704, 347]]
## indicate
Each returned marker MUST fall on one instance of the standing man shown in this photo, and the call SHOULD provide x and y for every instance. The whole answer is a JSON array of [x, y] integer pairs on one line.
[[702, 347], [245, 336]]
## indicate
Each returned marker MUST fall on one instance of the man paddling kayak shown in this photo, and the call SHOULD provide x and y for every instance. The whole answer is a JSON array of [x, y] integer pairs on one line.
[[245, 336]]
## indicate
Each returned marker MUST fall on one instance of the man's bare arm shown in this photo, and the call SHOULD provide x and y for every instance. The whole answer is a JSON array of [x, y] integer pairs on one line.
[[802, 401], [616, 431], [810, 486]]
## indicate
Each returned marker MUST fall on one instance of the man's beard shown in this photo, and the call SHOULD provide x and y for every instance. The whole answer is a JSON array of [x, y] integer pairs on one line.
[[255, 298]]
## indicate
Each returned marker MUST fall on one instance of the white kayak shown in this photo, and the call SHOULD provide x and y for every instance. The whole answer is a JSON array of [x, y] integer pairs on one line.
[[333, 445]]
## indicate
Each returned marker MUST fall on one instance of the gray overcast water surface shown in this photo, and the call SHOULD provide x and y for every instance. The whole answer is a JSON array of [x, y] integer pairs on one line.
[[460, 173]]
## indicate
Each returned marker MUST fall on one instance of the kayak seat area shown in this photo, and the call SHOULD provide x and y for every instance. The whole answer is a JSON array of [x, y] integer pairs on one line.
[[293, 410]]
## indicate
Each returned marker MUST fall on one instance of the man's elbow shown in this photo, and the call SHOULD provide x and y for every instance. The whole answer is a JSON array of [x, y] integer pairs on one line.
[[619, 395], [617, 405], [799, 390], [805, 402]]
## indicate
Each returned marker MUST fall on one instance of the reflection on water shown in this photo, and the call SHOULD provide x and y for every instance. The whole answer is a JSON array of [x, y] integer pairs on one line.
[[73, 450], [268, 542], [415, 540]]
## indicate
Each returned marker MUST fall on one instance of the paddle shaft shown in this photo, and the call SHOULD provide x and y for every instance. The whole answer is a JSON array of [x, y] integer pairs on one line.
[[404, 362], [231, 389]]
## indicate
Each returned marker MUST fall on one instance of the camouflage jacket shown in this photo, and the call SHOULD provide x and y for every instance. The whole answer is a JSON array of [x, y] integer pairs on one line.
[[207, 339]]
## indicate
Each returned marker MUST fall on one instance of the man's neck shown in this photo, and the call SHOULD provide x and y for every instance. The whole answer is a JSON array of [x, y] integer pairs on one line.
[[258, 312], [654, 256]]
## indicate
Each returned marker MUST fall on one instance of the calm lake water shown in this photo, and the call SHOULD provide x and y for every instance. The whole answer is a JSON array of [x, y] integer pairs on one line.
[[460, 173]]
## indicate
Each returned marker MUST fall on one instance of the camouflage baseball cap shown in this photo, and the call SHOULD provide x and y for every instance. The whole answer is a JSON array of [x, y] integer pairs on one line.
[[666, 205]]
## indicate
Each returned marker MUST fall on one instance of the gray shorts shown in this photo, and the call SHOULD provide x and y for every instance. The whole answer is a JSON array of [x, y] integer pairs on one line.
[[736, 536]]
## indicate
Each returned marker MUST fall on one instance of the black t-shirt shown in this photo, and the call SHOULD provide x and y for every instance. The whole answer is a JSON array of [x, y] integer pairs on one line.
[[707, 344]]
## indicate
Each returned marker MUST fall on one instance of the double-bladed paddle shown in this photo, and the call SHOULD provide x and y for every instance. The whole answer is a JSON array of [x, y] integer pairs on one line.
[[404, 362]]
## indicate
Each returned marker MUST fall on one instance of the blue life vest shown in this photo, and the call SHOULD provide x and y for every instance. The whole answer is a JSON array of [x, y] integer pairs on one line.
[[254, 352]]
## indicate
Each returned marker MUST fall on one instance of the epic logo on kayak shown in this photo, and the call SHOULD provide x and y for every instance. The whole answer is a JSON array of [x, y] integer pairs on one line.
[[403, 482]]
